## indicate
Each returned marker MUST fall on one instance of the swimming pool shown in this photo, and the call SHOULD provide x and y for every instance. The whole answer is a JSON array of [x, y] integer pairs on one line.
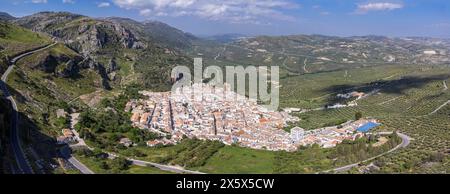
[[367, 127]]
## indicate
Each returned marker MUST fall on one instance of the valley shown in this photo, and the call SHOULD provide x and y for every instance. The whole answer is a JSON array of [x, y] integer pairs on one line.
[[95, 66]]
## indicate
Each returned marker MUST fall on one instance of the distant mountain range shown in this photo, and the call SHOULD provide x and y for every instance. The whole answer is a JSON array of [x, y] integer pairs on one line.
[[315, 53], [113, 46], [6, 16], [225, 38]]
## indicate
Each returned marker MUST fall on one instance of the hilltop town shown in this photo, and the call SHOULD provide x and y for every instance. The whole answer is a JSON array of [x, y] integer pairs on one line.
[[212, 116]]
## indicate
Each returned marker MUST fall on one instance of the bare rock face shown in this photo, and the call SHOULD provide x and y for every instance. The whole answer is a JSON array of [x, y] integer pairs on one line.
[[88, 63], [91, 38], [70, 69], [112, 66], [112, 76], [113, 39], [61, 66], [85, 35], [127, 37]]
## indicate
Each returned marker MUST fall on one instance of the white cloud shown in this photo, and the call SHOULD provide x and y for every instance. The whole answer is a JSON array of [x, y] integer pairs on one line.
[[39, 1], [68, 1], [380, 6], [103, 4], [145, 12], [233, 11]]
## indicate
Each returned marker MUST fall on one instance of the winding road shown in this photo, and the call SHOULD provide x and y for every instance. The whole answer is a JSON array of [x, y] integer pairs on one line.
[[406, 140], [176, 169], [304, 66], [80, 166], [23, 165], [22, 161], [164, 167], [85, 170], [439, 108]]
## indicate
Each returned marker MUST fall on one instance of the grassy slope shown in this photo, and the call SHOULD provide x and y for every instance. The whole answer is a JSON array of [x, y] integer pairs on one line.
[[240, 160], [16, 39], [94, 165], [71, 87], [44, 93], [150, 67]]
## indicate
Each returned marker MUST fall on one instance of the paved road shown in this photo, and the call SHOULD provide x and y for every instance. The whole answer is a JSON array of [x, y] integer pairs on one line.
[[164, 167], [22, 162], [74, 117], [80, 166], [23, 165], [175, 169], [77, 164], [85, 170], [406, 140], [304, 66], [440, 107]]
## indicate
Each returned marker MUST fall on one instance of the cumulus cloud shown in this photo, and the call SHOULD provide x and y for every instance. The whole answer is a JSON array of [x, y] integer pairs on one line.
[[380, 6], [145, 12], [103, 4], [233, 11]]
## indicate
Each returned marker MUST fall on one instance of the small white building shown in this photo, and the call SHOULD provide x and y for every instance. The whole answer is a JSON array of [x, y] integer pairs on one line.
[[297, 134], [126, 142], [429, 52]]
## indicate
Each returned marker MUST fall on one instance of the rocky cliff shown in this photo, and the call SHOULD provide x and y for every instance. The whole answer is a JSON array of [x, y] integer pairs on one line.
[[115, 47]]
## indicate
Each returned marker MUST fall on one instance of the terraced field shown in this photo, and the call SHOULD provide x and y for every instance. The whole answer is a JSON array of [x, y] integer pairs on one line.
[[402, 92], [312, 90], [413, 100]]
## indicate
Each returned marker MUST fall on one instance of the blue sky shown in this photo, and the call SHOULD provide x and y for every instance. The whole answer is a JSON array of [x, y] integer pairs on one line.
[[269, 17]]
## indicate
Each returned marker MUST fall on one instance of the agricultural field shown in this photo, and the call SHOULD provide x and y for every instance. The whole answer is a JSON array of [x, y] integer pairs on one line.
[[405, 100], [208, 158], [404, 92], [410, 99]]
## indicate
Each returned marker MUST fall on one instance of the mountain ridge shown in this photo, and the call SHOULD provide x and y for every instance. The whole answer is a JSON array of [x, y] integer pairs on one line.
[[115, 45], [6, 16]]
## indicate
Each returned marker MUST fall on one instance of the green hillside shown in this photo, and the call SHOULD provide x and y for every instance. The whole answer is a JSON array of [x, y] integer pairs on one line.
[[14, 39], [100, 64], [122, 50]]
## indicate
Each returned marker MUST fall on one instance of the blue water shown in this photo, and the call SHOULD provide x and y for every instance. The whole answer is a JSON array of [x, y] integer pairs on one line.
[[367, 127]]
